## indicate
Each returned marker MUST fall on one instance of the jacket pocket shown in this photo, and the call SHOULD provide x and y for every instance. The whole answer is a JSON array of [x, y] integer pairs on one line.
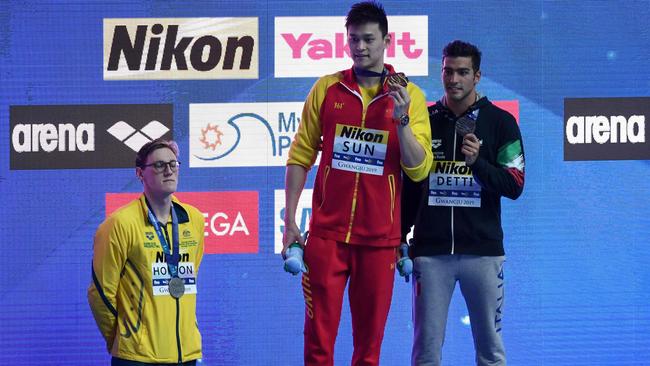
[[324, 186], [391, 187]]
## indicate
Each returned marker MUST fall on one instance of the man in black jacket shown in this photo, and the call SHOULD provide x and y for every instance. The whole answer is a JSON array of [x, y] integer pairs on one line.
[[478, 157]]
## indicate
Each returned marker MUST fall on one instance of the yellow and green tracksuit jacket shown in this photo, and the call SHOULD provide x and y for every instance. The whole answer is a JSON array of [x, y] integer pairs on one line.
[[357, 190], [128, 295]]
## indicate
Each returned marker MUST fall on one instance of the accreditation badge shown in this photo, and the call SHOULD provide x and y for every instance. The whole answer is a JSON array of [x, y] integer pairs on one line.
[[359, 150], [451, 183], [164, 285]]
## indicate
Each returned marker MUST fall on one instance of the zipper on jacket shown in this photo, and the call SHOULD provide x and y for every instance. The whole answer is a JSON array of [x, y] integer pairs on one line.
[[327, 173], [453, 157], [356, 177], [354, 207], [391, 186], [178, 334], [178, 311]]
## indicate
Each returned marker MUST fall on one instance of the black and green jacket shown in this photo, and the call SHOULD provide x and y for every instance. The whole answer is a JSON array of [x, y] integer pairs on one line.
[[458, 209]]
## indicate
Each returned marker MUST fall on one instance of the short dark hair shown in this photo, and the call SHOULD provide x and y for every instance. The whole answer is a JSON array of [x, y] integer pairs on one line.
[[151, 146], [463, 49], [368, 12]]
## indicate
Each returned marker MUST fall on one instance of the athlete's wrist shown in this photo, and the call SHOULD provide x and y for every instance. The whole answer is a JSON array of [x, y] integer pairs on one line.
[[403, 120]]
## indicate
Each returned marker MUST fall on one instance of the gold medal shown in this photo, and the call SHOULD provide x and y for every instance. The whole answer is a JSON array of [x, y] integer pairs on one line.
[[394, 80]]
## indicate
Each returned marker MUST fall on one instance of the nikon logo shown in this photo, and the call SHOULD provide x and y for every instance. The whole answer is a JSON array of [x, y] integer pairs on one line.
[[180, 48], [452, 167], [358, 133], [606, 129]]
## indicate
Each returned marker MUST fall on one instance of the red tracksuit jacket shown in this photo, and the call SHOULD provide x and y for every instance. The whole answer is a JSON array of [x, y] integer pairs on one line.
[[356, 196]]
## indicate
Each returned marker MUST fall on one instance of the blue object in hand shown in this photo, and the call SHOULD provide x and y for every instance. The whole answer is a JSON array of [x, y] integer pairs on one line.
[[404, 264], [293, 262]]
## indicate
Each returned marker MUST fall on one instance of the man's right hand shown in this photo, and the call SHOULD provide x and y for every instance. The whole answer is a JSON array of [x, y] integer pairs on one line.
[[291, 235], [295, 182]]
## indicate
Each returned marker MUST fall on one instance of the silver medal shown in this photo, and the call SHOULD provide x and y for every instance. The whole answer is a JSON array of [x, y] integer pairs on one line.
[[465, 124], [176, 287]]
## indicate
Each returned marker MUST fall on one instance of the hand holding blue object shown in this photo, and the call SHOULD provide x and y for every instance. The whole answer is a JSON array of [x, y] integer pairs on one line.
[[404, 264], [293, 262]]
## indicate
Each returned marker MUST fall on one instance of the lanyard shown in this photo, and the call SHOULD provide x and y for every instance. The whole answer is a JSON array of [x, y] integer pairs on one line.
[[370, 73], [171, 258]]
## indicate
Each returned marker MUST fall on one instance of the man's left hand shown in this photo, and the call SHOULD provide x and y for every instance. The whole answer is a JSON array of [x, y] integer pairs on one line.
[[402, 101], [471, 147]]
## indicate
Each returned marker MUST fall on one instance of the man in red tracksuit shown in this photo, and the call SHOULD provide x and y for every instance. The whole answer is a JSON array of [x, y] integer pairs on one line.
[[369, 133]]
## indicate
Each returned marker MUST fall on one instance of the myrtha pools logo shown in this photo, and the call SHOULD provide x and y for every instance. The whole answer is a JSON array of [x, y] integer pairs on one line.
[[242, 134]]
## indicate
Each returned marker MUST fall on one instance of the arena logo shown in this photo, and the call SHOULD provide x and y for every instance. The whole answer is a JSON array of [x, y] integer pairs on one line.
[[134, 138], [303, 215], [84, 136], [231, 218], [242, 134], [601, 129], [315, 46], [606, 128], [181, 48], [49, 137]]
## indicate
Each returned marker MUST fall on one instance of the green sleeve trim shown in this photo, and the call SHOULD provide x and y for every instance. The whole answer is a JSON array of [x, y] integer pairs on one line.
[[509, 154]]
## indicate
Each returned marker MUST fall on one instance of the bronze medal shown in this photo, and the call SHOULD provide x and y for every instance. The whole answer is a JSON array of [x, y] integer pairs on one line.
[[176, 287]]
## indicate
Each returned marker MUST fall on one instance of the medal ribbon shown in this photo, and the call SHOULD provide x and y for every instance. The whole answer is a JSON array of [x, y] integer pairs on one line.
[[171, 258], [370, 73]]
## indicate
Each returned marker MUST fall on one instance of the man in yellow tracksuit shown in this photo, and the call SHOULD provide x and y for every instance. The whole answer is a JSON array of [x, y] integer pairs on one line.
[[145, 265]]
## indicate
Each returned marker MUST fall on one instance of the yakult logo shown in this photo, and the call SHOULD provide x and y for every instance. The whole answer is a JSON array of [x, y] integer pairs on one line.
[[180, 48], [606, 128], [231, 218], [315, 46]]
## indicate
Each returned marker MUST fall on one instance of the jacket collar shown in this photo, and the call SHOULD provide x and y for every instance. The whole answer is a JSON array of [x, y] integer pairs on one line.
[[350, 79], [183, 217], [441, 107]]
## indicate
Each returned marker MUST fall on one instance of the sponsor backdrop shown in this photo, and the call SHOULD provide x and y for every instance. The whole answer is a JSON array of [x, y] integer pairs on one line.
[[85, 85]]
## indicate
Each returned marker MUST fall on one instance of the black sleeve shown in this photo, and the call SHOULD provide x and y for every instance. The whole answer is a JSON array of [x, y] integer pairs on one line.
[[410, 204], [506, 176]]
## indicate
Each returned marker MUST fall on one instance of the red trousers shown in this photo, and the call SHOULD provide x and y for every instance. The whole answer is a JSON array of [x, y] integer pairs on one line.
[[371, 271]]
